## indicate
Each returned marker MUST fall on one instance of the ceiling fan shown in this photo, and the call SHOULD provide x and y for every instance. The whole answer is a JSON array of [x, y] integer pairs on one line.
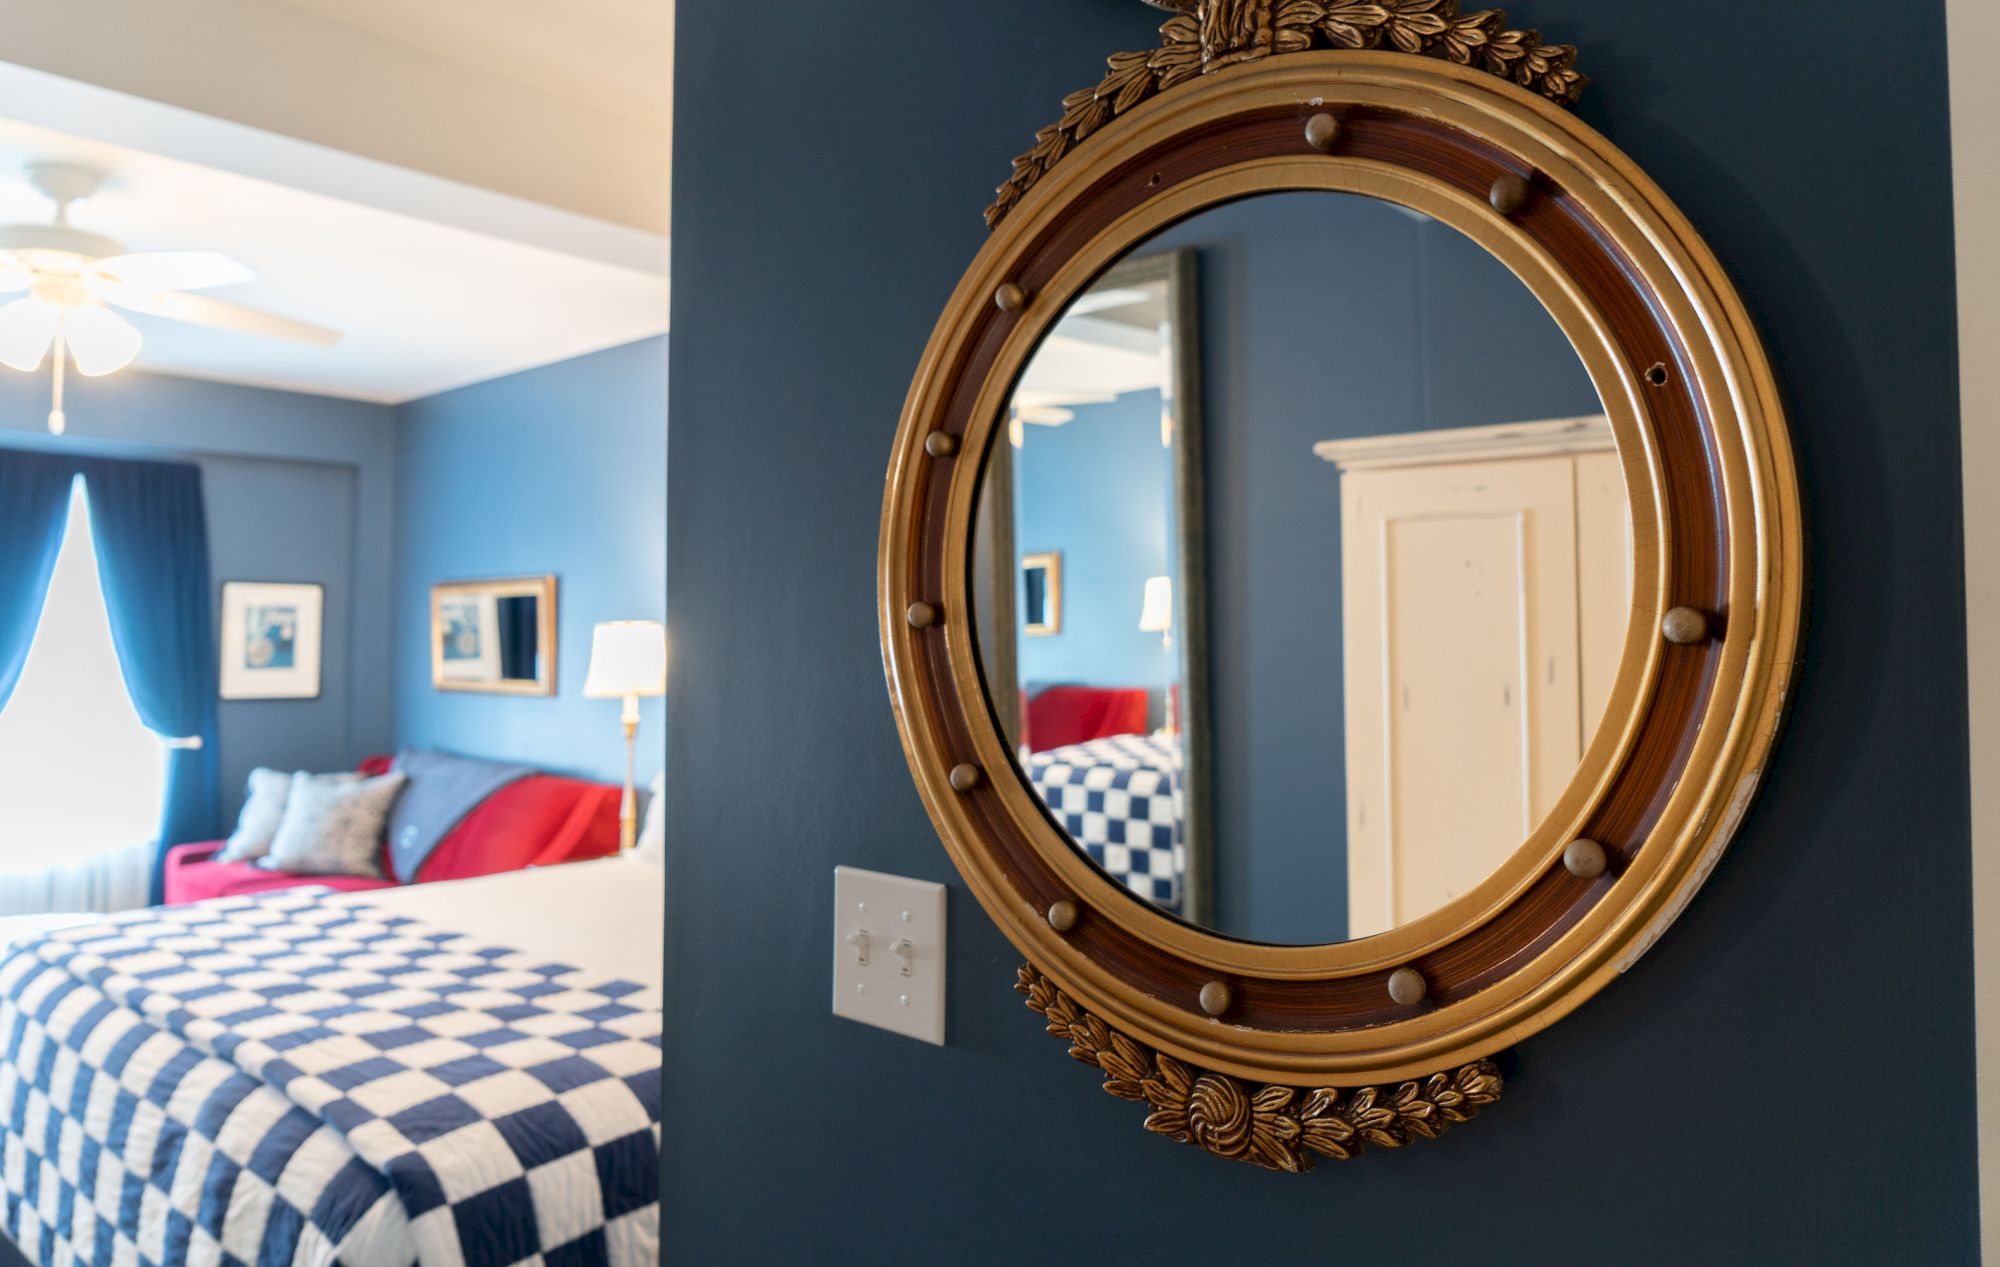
[[76, 280]]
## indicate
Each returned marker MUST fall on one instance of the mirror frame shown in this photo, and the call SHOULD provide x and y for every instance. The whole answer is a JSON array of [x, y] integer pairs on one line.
[[543, 590], [1272, 1054]]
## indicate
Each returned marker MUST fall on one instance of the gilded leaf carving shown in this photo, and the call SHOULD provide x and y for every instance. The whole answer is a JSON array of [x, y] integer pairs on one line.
[[1207, 35], [1277, 1127]]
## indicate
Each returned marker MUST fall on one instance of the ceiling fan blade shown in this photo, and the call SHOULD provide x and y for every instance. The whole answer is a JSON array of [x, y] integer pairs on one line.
[[202, 311], [27, 328], [174, 270], [99, 340]]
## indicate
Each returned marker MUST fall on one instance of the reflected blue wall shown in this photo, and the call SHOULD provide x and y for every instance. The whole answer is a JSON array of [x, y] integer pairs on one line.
[[1325, 316], [298, 488], [560, 469], [1099, 488]]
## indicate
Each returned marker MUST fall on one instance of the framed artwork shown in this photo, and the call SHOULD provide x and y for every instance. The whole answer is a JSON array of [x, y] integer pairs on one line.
[[1041, 594], [496, 637], [271, 637]]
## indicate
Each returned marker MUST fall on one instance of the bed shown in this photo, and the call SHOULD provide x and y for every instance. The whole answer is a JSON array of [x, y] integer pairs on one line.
[[1120, 799], [463, 1072]]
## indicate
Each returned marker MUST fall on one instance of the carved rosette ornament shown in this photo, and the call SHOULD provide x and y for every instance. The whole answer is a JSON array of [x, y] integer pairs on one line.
[[1207, 35], [1279, 1128]]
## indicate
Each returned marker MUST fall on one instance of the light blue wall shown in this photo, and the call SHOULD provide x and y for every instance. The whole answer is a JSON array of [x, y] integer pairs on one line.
[[560, 469], [1099, 489], [298, 488]]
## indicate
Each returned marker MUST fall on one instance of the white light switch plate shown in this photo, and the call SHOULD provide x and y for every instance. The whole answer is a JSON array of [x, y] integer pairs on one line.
[[875, 981]]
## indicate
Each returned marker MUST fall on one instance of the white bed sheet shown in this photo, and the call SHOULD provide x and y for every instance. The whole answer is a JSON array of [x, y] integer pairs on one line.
[[607, 915]]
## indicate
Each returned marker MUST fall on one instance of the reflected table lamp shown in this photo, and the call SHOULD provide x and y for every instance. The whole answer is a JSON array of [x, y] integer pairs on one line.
[[1156, 612], [628, 658]]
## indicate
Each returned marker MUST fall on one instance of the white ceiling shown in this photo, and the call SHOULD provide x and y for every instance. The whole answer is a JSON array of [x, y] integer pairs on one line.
[[425, 303]]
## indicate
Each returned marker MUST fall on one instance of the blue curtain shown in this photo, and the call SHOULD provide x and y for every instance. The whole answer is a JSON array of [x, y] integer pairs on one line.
[[152, 557], [34, 502]]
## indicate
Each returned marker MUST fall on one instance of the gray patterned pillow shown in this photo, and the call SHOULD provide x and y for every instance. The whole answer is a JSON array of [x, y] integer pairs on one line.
[[263, 808], [333, 825]]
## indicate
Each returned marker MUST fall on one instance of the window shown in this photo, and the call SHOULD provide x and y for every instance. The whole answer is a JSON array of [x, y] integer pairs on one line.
[[79, 775]]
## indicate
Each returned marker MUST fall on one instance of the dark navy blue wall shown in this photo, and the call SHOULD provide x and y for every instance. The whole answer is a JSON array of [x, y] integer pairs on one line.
[[1413, 327], [1100, 489], [1785, 1078], [298, 488], [560, 469]]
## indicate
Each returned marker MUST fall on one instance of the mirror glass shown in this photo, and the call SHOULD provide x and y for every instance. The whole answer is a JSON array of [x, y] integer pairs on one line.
[[494, 636], [1302, 567]]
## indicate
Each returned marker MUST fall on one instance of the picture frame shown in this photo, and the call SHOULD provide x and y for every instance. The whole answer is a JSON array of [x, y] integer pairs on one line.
[[1041, 594], [272, 639], [494, 637]]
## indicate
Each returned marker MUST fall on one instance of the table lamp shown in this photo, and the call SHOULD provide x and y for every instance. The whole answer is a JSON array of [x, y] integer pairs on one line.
[[628, 658]]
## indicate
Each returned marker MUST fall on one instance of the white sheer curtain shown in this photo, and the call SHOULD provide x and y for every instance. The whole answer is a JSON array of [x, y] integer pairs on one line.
[[80, 778]]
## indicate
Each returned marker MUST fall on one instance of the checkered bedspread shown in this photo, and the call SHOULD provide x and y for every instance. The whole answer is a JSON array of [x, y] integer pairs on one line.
[[1120, 798], [275, 1080]]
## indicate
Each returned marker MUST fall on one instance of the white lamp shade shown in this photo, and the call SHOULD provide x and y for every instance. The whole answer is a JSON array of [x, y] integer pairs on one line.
[[1156, 614], [627, 657]]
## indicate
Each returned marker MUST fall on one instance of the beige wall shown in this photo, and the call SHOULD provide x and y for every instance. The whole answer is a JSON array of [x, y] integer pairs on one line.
[[1975, 106], [464, 114]]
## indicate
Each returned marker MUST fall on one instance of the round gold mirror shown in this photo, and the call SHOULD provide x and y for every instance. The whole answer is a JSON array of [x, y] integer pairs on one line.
[[1340, 573]]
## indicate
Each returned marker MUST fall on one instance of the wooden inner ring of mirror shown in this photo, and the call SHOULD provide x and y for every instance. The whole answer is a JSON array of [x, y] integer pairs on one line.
[[1715, 527]]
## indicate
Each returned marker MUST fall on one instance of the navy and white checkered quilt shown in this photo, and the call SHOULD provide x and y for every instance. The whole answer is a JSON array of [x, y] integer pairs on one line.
[[1120, 798], [274, 1080]]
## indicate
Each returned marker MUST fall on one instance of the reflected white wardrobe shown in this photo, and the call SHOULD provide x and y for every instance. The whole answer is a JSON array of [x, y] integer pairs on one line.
[[1486, 575]]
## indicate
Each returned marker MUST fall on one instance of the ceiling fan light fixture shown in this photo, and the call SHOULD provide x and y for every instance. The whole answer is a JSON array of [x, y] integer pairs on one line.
[[99, 340], [28, 328]]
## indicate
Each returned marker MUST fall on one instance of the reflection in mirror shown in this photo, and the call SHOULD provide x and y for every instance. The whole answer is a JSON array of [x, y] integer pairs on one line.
[[1041, 594], [1347, 560], [494, 636]]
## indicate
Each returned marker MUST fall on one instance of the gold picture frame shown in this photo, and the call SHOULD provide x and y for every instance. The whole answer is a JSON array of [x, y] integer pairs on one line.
[[481, 639], [1048, 601]]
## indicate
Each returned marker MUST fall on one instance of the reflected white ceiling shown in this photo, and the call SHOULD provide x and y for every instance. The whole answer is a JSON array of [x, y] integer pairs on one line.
[[1111, 341]]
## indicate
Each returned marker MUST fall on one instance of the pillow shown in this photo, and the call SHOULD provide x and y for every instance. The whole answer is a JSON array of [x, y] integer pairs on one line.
[[333, 825], [444, 788], [653, 836], [258, 822]]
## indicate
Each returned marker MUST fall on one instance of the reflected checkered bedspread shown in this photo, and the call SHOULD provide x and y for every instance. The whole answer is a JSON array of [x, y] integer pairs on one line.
[[1120, 798], [274, 1080]]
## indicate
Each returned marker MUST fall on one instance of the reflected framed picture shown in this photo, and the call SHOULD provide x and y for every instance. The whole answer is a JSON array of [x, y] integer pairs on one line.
[[1041, 594], [271, 637]]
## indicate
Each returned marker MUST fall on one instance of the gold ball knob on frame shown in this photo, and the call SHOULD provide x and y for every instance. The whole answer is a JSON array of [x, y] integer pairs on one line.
[[1407, 987], [940, 444], [1508, 194], [1585, 859], [1010, 297], [1215, 998], [1062, 916], [1685, 626], [1323, 132], [964, 777], [922, 615]]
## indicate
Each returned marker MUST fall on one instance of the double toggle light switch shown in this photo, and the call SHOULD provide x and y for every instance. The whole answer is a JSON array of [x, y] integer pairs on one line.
[[888, 961]]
